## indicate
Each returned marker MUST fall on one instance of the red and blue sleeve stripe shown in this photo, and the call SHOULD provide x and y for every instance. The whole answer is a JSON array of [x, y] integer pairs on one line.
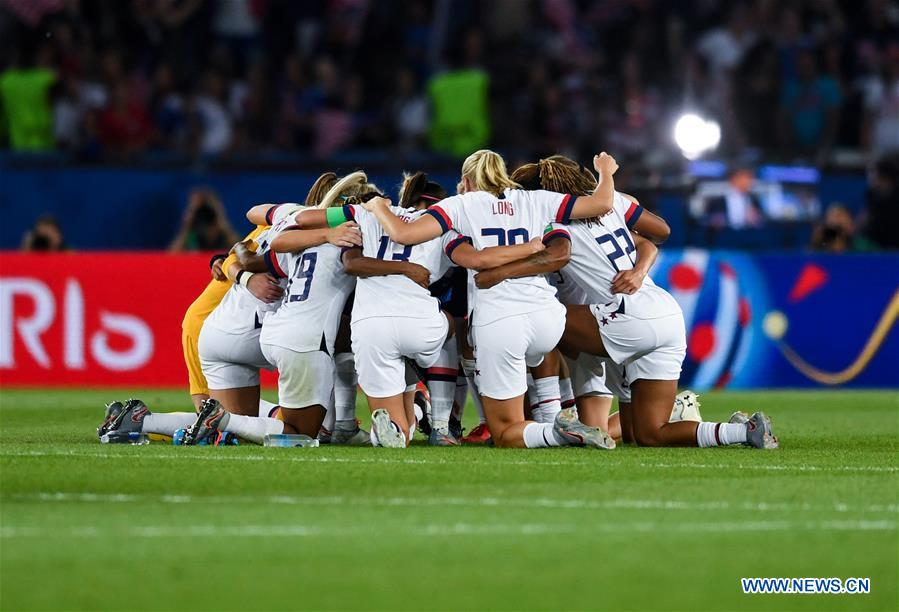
[[556, 233], [633, 214], [349, 213], [455, 244], [564, 213], [271, 260], [270, 213], [446, 224]]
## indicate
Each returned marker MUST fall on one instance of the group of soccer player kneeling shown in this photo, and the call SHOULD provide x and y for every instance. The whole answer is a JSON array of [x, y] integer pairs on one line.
[[530, 290]]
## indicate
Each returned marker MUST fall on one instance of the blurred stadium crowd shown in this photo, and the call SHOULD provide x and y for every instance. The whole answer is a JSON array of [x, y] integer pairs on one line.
[[786, 80]]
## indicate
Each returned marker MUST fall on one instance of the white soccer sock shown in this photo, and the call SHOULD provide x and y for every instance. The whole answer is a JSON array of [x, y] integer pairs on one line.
[[548, 399], [442, 385], [330, 421], [250, 428], [166, 423], [542, 435], [470, 366], [344, 388], [266, 409], [720, 434], [567, 393]]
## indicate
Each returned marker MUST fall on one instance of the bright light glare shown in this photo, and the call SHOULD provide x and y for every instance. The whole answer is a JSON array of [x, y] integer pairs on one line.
[[695, 135]]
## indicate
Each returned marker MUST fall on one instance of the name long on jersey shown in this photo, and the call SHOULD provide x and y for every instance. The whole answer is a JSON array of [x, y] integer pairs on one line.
[[396, 294], [515, 218], [600, 249], [240, 311], [317, 288]]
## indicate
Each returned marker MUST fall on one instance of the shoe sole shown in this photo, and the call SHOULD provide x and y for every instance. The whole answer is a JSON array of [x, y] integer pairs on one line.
[[390, 438], [590, 437]]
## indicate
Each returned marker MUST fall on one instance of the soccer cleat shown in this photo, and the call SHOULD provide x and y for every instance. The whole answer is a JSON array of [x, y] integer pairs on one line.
[[442, 438], [686, 407], [759, 433], [738, 417], [324, 436], [112, 411], [455, 427], [388, 434], [423, 403], [205, 429], [478, 435], [350, 437], [569, 427], [129, 420]]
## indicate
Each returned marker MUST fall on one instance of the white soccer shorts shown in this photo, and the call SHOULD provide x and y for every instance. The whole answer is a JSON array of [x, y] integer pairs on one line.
[[381, 343], [506, 348], [304, 378], [650, 347], [230, 361]]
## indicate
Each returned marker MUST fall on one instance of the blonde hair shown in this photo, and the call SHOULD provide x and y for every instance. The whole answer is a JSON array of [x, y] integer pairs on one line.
[[348, 190], [487, 172], [319, 188]]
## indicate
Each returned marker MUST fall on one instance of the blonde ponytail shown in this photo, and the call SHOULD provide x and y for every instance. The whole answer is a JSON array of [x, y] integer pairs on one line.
[[319, 188], [487, 172], [348, 190]]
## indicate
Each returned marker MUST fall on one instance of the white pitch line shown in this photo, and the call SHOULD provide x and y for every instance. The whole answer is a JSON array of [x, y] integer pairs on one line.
[[437, 529], [312, 457], [537, 502]]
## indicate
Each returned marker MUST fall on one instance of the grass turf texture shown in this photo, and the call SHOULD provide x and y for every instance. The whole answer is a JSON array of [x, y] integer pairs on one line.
[[162, 527]]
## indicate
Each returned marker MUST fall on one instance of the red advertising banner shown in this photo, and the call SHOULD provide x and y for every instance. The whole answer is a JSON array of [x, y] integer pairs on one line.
[[97, 319]]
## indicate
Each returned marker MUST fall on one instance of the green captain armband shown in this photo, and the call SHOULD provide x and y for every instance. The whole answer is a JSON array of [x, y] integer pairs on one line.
[[338, 215]]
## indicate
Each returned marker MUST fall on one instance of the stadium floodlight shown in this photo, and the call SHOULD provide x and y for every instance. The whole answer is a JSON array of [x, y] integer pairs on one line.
[[695, 135]]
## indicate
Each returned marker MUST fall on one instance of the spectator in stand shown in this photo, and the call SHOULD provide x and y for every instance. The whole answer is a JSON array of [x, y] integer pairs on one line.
[[739, 208], [25, 100], [882, 212], [124, 126], [210, 122], [881, 104], [810, 109], [205, 225], [409, 111], [45, 236], [837, 233]]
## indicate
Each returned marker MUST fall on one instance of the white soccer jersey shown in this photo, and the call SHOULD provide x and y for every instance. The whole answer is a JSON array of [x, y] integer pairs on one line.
[[317, 290], [601, 248], [568, 291], [396, 294], [490, 221], [240, 311]]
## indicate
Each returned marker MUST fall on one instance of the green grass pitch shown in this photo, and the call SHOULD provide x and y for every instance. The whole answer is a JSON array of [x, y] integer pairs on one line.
[[85, 526]]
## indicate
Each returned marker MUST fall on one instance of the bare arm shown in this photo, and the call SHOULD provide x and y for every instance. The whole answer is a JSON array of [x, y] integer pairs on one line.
[[653, 227], [421, 230], [356, 264], [293, 240], [467, 256], [248, 260], [600, 201], [258, 214], [312, 219], [554, 257], [629, 281]]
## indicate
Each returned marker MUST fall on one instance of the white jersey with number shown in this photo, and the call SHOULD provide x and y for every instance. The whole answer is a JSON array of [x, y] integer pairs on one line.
[[601, 248], [515, 218], [317, 290], [397, 294], [240, 311]]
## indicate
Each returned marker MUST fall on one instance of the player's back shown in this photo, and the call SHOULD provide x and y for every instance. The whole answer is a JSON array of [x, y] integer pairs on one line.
[[317, 289], [490, 221], [397, 294]]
